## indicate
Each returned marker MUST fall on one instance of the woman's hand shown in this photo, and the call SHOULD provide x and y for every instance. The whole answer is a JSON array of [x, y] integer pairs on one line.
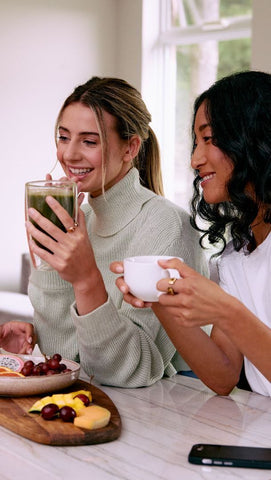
[[72, 255], [17, 337], [117, 267], [197, 300]]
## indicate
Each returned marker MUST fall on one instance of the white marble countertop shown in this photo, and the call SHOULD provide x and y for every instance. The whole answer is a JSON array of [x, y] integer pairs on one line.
[[159, 426]]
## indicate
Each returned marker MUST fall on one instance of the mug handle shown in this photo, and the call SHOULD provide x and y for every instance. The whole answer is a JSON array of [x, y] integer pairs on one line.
[[173, 273]]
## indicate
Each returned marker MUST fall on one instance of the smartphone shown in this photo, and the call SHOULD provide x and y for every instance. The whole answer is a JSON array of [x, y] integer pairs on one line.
[[230, 456]]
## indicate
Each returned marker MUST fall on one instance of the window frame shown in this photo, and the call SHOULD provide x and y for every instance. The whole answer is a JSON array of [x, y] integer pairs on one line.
[[159, 42]]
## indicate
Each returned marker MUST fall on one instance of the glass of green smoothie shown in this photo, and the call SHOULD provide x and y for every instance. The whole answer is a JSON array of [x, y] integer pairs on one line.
[[65, 192]]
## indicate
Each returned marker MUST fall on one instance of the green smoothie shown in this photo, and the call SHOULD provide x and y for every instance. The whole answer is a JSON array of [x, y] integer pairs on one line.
[[36, 199]]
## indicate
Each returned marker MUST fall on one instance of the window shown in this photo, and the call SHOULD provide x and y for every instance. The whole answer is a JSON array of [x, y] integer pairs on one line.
[[199, 41]]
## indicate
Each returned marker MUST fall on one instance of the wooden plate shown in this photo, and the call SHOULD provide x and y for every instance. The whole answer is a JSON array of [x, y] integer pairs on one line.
[[15, 417]]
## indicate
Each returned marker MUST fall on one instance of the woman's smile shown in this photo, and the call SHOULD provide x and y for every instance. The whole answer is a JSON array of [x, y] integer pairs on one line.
[[80, 149]]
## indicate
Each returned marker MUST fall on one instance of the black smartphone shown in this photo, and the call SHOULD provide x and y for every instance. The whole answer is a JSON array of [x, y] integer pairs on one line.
[[230, 456]]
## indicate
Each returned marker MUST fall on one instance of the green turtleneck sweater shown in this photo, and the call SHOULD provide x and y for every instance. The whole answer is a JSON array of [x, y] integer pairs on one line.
[[118, 344]]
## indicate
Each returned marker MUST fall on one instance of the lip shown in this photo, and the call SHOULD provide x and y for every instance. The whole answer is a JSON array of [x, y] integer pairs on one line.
[[206, 177], [79, 172]]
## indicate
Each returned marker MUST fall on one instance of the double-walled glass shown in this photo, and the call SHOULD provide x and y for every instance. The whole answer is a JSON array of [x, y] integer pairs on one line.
[[65, 192]]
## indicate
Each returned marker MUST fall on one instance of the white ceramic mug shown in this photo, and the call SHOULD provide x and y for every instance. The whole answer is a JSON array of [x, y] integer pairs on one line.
[[142, 273]]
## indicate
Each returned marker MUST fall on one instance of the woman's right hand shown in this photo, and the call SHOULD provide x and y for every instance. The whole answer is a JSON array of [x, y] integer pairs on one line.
[[117, 267]]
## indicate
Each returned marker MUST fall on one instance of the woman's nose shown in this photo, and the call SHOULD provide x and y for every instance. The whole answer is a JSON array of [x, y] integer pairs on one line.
[[71, 152], [198, 157]]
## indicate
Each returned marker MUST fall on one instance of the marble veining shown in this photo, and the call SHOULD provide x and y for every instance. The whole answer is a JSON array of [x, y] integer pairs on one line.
[[159, 426]]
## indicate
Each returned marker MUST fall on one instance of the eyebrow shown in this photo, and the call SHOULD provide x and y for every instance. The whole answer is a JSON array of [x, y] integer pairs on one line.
[[205, 125], [80, 133]]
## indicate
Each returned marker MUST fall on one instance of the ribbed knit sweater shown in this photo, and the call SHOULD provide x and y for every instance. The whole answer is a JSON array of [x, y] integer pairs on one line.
[[118, 344]]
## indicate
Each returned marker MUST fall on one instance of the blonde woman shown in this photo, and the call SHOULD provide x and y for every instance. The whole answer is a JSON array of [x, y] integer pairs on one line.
[[105, 143]]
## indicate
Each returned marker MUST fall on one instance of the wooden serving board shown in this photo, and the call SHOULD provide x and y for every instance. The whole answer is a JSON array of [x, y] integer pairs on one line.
[[15, 417]]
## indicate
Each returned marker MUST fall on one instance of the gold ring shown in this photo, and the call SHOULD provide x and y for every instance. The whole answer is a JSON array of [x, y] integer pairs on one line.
[[170, 291], [72, 229], [172, 281]]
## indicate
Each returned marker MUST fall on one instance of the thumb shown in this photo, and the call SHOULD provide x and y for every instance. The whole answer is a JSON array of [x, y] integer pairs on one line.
[[80, 198]]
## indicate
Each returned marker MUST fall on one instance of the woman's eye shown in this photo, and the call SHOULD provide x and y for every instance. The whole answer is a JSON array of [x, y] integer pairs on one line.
[[207, 138], [62, 138], [90, 142]]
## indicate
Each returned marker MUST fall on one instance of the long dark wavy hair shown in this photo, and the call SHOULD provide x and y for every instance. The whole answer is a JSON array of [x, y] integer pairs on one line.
[[238, 108]]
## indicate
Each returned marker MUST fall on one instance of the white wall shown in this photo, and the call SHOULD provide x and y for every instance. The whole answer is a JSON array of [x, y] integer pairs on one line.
[[261, 35], [47, 47]]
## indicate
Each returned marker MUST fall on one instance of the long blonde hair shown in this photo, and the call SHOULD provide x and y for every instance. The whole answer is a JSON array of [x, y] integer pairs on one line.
[[125, 103]]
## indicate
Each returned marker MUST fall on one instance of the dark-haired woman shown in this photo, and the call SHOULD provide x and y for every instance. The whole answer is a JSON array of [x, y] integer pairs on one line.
[[232, 160], [105, 143]]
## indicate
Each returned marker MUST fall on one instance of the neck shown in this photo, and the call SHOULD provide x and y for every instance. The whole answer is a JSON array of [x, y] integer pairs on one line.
[[260, 230]]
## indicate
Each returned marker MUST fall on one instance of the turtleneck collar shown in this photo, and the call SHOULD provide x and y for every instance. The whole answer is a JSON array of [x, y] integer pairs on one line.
[[119, 205]]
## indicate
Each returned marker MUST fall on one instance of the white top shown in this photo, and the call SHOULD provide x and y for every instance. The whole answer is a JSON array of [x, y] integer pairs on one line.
[[247, 277]]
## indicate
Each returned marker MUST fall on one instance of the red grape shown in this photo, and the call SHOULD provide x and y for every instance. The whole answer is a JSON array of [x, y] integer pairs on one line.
[[84, 399], [50, 366], [26, 371], [67, 414], [53, 364], [29, 364], [57, 357], [36, 370], [49, 411]]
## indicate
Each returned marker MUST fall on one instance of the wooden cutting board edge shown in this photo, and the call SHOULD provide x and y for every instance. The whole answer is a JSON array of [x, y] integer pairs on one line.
[[15, 417]]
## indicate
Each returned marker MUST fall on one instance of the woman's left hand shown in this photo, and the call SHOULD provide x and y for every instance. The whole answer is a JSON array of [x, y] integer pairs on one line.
[[17, 337], [197, 301]]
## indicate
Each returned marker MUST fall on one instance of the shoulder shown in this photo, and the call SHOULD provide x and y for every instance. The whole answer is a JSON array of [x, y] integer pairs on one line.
[[160, 207]]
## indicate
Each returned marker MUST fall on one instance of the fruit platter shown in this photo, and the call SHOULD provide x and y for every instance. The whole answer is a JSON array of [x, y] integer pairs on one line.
[[22, 375], [43, 399]]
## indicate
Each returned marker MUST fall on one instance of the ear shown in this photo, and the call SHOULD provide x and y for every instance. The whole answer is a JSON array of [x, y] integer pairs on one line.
[[132, 149]]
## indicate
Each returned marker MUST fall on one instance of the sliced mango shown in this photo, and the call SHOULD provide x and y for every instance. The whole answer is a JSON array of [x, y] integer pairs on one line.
[[61, 399], [92, 417], [76, 404], [39, 404]]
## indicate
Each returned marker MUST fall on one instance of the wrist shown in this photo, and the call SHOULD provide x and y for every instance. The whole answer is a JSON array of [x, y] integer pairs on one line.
[[90, 293], [233, 315]]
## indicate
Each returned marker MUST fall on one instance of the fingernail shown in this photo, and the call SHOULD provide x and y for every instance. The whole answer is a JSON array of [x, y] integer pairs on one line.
[[123, 289], [30, 340], [119, 269], [29, 351], [138, 303]]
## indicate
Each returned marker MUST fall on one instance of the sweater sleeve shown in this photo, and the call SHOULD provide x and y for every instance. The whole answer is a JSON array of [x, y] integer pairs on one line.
[[123, 347]]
